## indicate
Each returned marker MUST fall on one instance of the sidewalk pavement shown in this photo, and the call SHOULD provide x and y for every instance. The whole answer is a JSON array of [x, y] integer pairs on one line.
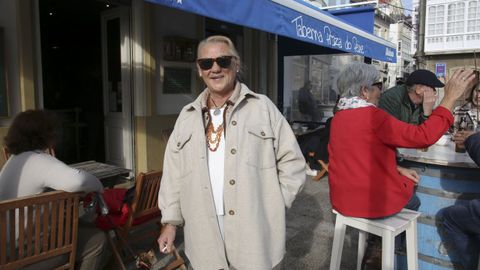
[[310, 226]]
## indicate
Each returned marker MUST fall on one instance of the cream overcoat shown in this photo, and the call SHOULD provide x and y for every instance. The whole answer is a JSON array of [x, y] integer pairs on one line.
[[264, 171]]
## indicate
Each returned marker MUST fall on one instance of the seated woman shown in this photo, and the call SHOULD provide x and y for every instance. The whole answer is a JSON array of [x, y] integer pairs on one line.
[[30, 170], [364, 178], [467, 117]]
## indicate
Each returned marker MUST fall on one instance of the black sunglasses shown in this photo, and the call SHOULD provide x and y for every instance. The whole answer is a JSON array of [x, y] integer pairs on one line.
[[379, 85], [222, 61]]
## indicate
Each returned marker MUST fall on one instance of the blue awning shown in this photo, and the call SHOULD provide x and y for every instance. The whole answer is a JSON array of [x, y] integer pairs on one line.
[[360, 17], [291, 18]]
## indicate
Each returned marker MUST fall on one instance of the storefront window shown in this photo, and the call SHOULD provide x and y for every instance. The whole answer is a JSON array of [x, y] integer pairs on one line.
[[310, 86]]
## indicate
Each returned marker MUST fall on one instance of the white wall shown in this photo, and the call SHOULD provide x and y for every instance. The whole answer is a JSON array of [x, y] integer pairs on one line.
[[459, 41], [8, 21], [172, 22]]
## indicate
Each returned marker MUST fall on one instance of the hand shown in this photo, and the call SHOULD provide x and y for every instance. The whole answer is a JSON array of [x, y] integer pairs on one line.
[[409, 173], [460, 82], [165, 241], [461, 136], [429, 99]]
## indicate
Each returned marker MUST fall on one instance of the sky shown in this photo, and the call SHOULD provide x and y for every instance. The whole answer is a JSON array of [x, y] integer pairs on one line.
[[407, 4]]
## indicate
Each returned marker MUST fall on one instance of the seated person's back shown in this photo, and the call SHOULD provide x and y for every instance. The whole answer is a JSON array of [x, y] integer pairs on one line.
[[30, 170]]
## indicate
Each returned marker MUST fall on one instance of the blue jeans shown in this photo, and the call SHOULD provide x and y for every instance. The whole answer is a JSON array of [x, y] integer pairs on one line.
[[462, 229], [400, 240]]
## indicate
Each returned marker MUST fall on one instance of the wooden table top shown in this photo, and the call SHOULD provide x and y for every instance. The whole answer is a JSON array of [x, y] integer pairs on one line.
[[101, 170], [443, 155]]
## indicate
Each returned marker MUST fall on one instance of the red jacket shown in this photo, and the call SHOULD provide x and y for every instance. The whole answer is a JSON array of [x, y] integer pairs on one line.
[[363, 177]]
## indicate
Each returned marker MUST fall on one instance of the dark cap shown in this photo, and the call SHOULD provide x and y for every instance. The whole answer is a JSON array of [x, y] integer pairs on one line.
[[425, 77]]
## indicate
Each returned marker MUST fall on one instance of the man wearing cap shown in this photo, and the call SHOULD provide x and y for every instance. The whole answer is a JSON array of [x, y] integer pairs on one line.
[[413, 101]]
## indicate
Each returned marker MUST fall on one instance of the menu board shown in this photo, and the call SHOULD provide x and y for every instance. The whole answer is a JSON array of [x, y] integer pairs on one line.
[[177, 80]]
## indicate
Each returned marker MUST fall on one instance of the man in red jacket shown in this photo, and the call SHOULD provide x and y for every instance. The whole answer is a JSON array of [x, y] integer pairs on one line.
[[365, 180]]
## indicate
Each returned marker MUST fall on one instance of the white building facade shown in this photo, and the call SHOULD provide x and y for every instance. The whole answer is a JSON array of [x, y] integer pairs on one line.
[[392, 25], [415, 25], [452, 26], [401, 34]]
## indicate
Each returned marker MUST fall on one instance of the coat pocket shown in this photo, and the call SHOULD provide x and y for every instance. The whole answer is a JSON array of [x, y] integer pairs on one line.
[[183, 149], [260, 146]]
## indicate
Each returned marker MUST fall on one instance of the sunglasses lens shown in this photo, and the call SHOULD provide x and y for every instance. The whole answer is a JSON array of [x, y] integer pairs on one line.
[[224, 61], [205, 63], [379, 85]]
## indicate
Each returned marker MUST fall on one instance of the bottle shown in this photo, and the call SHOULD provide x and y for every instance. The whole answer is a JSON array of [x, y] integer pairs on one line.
[[102, 204], [460, 147]]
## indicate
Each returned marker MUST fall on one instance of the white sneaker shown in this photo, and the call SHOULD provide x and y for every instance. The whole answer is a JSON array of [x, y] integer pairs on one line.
[[311, 172]]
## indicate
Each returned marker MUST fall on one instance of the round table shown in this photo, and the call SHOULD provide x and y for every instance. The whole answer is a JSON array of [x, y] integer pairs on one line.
[[447, 178]]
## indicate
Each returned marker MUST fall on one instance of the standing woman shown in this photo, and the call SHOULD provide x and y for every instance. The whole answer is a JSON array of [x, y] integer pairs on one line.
[[232, 165]]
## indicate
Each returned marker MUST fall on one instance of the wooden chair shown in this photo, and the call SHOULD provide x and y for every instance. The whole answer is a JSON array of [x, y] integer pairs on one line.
[[144, 209], [50, 229], [321, 172], [145, 201], [323, 165]]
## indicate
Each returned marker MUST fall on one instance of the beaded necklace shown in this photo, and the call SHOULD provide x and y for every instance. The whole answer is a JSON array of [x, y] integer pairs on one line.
[[213, 135]]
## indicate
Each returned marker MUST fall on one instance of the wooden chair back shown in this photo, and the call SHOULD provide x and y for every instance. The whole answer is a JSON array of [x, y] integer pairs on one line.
[[145, 200], [39, 227], [144, 205]]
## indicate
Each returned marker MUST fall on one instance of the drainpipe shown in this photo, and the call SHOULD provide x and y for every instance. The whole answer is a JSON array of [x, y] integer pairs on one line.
[[420, 54]]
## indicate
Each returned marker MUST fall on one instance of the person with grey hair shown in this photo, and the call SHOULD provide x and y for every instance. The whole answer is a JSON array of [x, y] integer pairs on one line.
[[364, 178], [232, 166], [413, 101], [467, 118]]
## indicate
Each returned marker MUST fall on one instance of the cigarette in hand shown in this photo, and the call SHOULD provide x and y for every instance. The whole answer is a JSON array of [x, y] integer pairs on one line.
[[164, 248]]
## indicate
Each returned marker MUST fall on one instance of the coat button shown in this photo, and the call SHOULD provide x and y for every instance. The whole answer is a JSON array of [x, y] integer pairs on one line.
[[178, 144], [232, 182], [231, 212], [233, 151], [234, 122], [263, 133]]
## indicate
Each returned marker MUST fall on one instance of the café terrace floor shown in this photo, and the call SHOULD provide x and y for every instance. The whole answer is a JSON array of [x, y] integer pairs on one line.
[[309, 233]]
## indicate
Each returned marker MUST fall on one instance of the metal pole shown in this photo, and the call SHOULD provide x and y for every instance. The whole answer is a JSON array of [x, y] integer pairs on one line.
[[420, 54]]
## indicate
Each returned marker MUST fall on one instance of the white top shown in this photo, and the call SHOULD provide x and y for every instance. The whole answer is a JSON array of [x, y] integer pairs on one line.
[[216, 165], [31, 172]]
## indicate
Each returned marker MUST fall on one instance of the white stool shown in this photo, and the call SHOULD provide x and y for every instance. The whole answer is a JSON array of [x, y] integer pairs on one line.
[[386, 228]]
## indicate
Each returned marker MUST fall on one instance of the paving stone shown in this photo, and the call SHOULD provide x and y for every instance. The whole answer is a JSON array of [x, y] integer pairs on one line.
[[309, 233]]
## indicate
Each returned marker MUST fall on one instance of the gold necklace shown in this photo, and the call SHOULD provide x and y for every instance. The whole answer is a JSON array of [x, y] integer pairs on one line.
[[213, 135]]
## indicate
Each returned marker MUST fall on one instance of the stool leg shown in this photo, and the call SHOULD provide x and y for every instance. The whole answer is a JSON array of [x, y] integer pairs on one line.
[[388, 250], [362, 238], [412, 253], [337, 247]]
